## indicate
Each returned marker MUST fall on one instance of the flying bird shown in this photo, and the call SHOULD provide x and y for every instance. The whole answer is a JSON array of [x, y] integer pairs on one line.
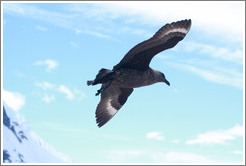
[[133, 70]]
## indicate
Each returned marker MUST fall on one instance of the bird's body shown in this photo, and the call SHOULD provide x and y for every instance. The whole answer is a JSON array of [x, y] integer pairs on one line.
[[132, 78], [133, 70]]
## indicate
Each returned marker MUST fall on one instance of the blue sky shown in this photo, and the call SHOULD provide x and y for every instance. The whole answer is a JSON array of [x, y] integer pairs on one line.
[[50, 50]]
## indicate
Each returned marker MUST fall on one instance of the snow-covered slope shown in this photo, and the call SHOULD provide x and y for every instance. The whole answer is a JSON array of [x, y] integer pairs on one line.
[[21, 145]]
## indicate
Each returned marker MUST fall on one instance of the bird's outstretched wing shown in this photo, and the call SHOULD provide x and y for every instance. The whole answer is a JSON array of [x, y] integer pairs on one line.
[[112, 99], [167, 37]]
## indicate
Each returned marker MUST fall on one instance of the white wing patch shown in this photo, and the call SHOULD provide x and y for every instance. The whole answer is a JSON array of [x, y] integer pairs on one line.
[[110, 109], [182, 30], [112, 100]]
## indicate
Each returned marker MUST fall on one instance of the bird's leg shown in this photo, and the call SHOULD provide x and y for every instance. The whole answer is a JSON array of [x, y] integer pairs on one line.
[[103, 88], [99, 91]]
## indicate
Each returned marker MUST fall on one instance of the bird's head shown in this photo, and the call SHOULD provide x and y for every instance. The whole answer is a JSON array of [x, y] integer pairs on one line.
[[159, 77], [163, 78]]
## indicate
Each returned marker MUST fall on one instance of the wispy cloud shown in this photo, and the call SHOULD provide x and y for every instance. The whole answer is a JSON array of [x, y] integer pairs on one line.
[[214, 23], [221, 65], [98, 18], [218, 137], [41, 28], [65, 90], [96, 33], [68, 19], [48, 98], [46, 85], [222, 53], [14, 100], [49, 63], [61, 89], [155, 135], [31, 11], [136, 31], [237, 152], [217, 75]]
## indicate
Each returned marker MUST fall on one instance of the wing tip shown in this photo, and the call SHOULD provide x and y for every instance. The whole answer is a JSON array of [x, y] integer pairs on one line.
[[99, 125], [184, 24], [188, 23], [102, 118], [101, 121]]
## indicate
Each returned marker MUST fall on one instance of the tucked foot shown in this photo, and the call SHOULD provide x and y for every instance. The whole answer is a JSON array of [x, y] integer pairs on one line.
[[103, 88], [98, 92]]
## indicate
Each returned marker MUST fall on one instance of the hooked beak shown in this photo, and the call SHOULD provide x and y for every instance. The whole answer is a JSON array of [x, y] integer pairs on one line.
[[167, 82]]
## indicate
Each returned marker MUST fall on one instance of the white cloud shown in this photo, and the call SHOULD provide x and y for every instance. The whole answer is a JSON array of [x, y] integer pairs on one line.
[[93, 32], [15, 100], [41, 28], [45, 85], [98, 19], [155, 135], [66, 91], [213, 26], [229, 77], [97, 34], [218, 137], [214, 23], [73, 21], [237, 152], [136, 31], [221, 65], [31, 11], [222, 53], [46, 98], [59, 89], [50, 64], [82, 18]]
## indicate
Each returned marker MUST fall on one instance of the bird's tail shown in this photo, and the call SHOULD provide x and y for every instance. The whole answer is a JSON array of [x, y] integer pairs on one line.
[[103, 76], [102, 73], [89, 83]]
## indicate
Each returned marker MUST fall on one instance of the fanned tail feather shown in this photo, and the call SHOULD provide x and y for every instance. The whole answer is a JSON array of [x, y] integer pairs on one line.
[[103, 72], [101, 77], [89, 83]]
